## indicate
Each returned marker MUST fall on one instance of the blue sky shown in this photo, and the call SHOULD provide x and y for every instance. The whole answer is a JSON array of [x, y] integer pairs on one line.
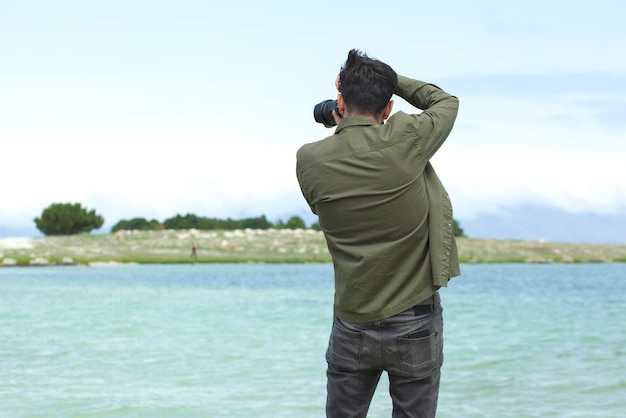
[[153, 108]]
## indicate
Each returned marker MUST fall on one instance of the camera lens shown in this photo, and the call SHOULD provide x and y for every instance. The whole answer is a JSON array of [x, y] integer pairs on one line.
[[323, 113]]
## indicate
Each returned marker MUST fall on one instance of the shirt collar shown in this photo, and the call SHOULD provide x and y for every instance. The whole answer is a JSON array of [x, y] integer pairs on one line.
[[354, 121]]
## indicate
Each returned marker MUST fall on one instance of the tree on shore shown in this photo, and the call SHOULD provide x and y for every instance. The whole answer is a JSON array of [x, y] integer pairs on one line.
[[295, 222], [68, 219], [191, 221], [140, 224], [456, 229]]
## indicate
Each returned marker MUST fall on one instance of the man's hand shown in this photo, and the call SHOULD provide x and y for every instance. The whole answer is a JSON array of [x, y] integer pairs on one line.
[[336, 116]]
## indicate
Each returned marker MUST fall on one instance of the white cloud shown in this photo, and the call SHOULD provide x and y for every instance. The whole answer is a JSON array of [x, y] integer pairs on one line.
[[486, 180], [145, 177]]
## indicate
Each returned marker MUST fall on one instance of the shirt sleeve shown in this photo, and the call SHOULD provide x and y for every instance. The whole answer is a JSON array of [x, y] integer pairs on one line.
[[300, 155], [440, 109]]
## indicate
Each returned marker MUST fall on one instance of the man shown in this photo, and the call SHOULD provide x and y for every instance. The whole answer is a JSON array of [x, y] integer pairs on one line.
[[388, 224]]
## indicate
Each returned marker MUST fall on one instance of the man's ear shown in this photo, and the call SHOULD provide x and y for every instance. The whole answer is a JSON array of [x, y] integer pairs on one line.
[[341, 104], [388, 110]]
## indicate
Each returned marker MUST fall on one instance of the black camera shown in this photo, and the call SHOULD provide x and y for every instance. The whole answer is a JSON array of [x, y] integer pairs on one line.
[[323, 112]]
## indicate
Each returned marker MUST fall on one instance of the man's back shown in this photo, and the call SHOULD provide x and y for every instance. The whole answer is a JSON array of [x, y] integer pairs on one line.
[[366, 185], [388, 224]]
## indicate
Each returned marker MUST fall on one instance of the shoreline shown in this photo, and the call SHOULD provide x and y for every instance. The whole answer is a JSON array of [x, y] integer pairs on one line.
[[262, 246]]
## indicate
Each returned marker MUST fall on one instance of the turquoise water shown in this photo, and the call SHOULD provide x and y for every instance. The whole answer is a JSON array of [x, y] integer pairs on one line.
[[249, 341]]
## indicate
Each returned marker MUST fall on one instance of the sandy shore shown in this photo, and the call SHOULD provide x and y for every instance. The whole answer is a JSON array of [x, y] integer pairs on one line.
[[16, 243]]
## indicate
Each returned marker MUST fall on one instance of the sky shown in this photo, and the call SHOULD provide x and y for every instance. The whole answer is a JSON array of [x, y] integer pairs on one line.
[[155, 108]]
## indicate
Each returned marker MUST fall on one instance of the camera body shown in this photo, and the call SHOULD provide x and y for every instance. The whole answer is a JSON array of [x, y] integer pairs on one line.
[[323, 112]]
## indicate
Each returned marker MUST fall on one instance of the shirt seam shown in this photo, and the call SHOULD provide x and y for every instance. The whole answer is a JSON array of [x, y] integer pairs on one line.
[[355, 153]]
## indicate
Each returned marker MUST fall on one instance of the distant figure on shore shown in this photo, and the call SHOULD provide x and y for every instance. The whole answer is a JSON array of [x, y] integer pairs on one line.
[[194, 251]]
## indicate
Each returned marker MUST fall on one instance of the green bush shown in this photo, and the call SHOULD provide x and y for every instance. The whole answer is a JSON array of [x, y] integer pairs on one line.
[[316, 226], [140, 224], [67, 219], [456, 229], [191, 221], [295, 222]]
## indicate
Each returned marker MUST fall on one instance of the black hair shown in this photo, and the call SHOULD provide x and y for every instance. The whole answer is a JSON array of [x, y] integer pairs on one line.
[[366, 84]]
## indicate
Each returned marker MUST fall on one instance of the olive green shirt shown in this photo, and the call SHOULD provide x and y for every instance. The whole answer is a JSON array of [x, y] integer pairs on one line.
[[386, 216]]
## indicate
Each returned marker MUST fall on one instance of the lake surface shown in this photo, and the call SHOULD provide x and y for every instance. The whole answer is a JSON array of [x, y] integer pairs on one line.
[[249, 341]]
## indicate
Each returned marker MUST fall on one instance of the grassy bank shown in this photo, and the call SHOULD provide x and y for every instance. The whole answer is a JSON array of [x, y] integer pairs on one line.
[[266, 246]]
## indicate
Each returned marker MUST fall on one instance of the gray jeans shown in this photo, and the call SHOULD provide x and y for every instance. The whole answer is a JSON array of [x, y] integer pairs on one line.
[[409, 346]]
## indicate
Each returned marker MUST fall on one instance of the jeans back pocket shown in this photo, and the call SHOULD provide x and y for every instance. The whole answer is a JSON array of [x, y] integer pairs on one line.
[[419, 357], [344, 348]]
